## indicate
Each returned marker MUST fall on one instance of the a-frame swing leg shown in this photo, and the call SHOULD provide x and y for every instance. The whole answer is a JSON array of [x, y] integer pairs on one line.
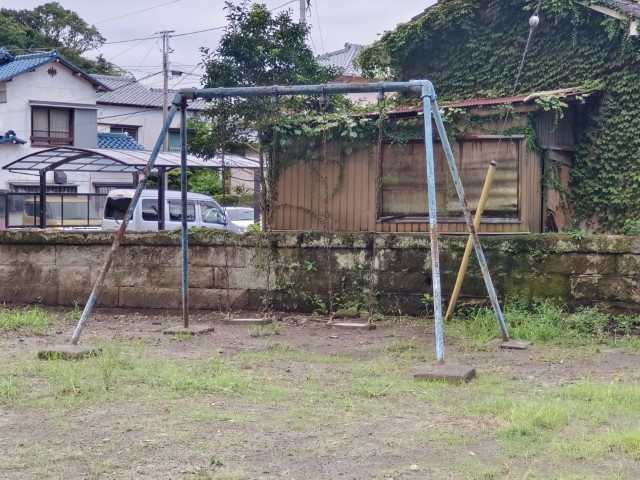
[[185, 328], [505, 342], [441, 371]]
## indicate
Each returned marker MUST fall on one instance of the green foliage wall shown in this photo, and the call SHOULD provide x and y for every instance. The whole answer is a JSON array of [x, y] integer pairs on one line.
[[472, 48], [51, 26]]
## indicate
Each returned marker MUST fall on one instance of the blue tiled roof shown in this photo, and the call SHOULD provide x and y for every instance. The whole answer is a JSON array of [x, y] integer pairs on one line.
[[5, 56], [27, 63], [118, 141]]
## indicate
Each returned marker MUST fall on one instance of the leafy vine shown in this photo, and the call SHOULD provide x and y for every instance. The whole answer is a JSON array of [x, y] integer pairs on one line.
[[472, 49]]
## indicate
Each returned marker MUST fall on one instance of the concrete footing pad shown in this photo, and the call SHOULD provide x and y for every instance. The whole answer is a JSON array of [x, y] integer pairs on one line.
[[191, 330], [446, 373], [510, 344], [68, 352], [247, 321], [353, 326]]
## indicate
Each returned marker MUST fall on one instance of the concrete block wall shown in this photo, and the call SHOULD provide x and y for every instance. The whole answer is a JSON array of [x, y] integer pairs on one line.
[[387, 272]]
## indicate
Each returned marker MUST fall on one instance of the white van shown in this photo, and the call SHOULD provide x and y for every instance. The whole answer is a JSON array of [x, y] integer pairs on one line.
[[202, 211]]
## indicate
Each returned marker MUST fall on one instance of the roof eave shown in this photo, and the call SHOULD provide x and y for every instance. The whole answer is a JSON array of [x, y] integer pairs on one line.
[[87, 76]]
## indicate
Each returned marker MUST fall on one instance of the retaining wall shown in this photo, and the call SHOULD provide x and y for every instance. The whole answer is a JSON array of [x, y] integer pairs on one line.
[[388, 272]]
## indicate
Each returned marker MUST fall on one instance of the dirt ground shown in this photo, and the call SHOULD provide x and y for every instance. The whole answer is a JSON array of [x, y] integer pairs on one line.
[[301, 401]]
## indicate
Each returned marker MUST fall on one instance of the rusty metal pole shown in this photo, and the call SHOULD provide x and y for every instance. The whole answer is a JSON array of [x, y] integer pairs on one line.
[[467, 216], [467, 251], [427, 98], [185, 227], [86, 313]]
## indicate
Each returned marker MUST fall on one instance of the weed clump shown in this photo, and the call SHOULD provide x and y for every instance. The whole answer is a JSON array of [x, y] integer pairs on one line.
[[30, 319], [545, 323]]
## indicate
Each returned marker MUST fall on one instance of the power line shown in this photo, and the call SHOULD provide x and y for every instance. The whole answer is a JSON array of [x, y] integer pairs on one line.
[[136, 12], [130, 114], [283, 5], [319, 27], [127, 49], [179, 34], [197, 31], [131, 40], [185, 76]]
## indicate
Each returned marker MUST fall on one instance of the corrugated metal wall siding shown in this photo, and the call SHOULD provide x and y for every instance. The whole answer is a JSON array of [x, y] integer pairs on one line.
[[300, 198], [301, 193], [85, 126], [558, 133]]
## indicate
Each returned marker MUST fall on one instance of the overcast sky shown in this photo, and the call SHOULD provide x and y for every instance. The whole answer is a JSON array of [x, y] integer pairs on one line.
[[333, 22]]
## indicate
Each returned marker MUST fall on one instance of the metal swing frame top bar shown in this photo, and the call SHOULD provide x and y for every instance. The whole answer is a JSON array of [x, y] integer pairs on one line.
[[424, 88]]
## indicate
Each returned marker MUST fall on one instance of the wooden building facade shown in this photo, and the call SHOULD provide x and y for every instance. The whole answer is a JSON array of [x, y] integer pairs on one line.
[[388, 192]]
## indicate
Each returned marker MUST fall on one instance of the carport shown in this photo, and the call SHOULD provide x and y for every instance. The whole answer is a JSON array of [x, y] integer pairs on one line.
[[72, 159]]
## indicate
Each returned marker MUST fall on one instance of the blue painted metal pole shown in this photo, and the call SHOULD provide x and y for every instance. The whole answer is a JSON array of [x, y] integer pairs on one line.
[[427, 97], [86, 313], [185, 227], [415, 86], [467, 216]]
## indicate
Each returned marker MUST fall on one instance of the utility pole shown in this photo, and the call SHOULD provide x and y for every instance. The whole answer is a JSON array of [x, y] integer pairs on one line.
[[165, 74], [303, 12]]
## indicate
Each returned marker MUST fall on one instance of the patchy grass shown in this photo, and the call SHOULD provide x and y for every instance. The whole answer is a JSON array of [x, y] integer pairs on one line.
[[545, 323], [29, 319], [297, 406], [268, 330], [8, 388]]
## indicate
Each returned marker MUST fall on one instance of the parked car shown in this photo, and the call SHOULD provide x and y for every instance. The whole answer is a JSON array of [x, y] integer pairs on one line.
[[202, 211], [241, 217]]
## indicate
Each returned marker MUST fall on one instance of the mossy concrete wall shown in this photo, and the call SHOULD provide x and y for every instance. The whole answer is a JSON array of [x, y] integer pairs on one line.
[[385, 272]]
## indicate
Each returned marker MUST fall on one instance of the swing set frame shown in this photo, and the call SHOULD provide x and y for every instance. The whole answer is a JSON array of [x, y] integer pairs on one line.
[[426, 91]]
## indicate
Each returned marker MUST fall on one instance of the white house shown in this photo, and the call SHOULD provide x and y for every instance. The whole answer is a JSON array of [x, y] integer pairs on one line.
[[130, 107], [47, 102]]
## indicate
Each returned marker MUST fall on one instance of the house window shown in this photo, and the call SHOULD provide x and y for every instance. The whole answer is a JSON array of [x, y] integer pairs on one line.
[[404, 179], [51, 126], [3, 92], [174, 139], [131, 131]]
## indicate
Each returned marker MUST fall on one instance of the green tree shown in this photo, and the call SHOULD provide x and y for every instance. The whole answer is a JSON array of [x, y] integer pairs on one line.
[[12, 34], [52, 26], [256, 49], [199, 180], [62, 27]]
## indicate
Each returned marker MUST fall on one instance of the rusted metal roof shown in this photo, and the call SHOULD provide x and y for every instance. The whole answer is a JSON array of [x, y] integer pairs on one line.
[[484, 102], [479, 102]]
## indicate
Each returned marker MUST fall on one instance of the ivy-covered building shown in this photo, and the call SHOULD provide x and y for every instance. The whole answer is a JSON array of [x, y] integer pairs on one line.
[[581, 76]]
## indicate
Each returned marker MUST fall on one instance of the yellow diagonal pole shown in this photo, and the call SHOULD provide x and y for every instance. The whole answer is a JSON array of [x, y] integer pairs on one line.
[[467, 251]]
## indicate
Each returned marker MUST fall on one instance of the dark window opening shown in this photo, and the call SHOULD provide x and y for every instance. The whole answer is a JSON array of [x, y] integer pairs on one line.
[[150, 210], [116, 208], [132, 131], [175, 212]]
